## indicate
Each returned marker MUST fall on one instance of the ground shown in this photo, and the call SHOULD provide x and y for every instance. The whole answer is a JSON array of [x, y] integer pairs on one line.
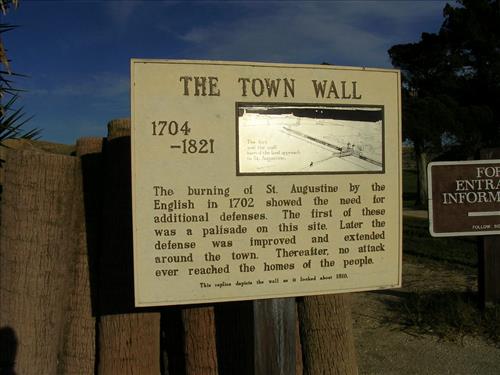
[[385, 347]]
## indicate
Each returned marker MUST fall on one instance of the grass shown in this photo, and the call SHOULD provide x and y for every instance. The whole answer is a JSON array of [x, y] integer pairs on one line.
[[409, 187], [455, 250], [417, 240], [449, 315]]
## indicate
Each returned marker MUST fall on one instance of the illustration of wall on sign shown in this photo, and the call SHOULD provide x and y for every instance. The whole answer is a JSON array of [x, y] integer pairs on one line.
[[309, 139]]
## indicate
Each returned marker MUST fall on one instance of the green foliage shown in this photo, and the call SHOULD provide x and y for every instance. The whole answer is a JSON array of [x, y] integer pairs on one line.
[[451, 80], [425, 66], [451, 86], [437, 112]]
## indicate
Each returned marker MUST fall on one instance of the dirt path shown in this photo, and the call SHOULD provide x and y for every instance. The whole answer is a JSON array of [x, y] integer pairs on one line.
[[385, 348]]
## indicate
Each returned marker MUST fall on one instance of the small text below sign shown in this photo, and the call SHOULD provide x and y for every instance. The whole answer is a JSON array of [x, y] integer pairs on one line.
[[253, 180], [464, 198]]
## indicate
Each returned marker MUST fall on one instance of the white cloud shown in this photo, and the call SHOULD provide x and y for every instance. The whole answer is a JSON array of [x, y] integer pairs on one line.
[[340, 32], [99, 85], [196, 35], [120, 11]]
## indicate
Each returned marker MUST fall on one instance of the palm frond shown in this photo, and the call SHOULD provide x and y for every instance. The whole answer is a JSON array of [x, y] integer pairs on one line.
[[12, 121]]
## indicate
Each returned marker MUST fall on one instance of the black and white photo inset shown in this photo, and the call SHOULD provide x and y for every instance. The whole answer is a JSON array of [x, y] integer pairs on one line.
[[309, 139]]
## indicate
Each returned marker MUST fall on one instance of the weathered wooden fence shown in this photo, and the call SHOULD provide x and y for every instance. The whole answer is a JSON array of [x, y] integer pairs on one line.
[[66, 285]]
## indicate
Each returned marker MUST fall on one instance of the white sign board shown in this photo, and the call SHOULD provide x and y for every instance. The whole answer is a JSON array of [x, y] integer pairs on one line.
[[256, 180]]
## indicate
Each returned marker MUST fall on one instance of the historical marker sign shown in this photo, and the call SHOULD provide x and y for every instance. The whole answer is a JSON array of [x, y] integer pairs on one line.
[[464, 198], [263, 180]]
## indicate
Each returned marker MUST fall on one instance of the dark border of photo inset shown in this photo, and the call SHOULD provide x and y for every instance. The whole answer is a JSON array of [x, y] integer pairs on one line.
[[239, 105]]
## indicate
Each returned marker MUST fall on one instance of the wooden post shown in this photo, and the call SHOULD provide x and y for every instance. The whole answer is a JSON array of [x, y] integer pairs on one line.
[[88, 146], [200, 348], [274, 336], [116, 282], [489, 256], [200, 352], [92, 160], [37, 249], [129, 341], [78, 344], [489, 270], [129, 344], [327, 337], [3, 156]]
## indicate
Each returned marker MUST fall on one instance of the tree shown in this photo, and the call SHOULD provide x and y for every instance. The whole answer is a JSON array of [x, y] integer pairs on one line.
[[451, 83], [426, 78], [471, 33]]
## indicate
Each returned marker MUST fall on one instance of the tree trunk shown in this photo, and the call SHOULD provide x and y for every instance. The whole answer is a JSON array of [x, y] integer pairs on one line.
[[129, 342], [327, 337], [421, 162], [37, 251], [199, 341], [422, 180], [78, 350]]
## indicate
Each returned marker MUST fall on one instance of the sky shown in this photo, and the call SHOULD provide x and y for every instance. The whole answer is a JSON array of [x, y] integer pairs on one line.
[[76, 53]]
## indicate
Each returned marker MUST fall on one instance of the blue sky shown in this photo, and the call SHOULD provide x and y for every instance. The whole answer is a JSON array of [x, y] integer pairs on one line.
[[77, 52]]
